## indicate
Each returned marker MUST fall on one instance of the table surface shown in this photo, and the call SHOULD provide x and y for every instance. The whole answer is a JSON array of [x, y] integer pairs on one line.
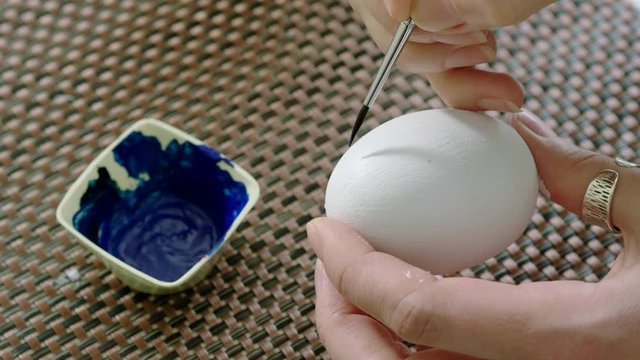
[[275, 85]]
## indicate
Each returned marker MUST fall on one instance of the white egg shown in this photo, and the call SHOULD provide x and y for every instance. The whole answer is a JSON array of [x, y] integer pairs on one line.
[[440, 189]]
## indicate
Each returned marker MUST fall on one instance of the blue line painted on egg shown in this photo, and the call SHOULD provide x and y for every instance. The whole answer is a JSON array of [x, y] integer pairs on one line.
[[180, 211]]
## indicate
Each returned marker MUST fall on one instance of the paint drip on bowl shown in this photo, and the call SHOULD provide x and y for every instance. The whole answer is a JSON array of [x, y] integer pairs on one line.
[[180, 211]]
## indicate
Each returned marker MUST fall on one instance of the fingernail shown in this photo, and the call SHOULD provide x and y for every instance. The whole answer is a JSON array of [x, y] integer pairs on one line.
[[542, 189], [469, 56], [510, 119], [314, 237], [470, 38], [534, 123], [480, 37], [488, 52], [529, 119], [498, 105], [422, 36]]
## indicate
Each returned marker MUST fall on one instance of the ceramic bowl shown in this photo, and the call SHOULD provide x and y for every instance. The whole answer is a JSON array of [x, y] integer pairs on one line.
[[157, 206]]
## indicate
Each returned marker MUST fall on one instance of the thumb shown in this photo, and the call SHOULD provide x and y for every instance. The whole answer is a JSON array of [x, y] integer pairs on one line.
[[567, 170], [463, 15]]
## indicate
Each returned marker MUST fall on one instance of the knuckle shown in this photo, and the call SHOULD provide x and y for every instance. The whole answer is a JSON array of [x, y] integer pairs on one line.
[[344, 276], [579, 158], [349, 275], [413, 318], [575, 159]]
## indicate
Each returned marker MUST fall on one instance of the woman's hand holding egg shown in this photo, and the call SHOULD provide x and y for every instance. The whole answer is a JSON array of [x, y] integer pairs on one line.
[[367, 301], [451, 37]]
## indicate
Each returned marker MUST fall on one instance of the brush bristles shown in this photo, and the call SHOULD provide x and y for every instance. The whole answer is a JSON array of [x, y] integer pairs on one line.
[[359, 120]]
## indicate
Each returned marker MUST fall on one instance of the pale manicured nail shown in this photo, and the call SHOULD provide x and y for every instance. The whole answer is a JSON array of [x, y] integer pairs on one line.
[[489, 53], [469, 56], [522, 116], [542, 189], [421, 36], [535, 124], [513, 117], [470, 38], [531, 120], [498, 105], [509, 119], [480, 37]]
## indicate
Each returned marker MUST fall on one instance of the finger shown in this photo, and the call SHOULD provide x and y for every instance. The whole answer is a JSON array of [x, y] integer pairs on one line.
[[462, 15], [468, 316], [345, 331], [329, 302], [463, 88], [437, 354], [533, 123], [431, 15], [464, 39], [567, 170], [478, 90], [377, 11], [429, 58]]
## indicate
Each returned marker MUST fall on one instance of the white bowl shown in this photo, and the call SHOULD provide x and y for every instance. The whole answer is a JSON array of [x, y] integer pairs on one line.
[[126, 183]]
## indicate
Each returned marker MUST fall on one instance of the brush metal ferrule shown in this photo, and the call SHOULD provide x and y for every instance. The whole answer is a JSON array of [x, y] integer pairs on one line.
[[395, 48]]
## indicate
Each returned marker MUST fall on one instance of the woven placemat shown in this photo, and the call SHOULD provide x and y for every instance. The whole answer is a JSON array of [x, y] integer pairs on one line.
[[276, 86]]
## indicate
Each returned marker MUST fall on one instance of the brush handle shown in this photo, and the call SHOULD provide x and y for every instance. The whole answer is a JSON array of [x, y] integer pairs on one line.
[[399, 39]]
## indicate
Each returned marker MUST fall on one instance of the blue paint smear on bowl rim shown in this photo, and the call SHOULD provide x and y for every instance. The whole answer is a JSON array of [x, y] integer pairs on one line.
[[180, 211]]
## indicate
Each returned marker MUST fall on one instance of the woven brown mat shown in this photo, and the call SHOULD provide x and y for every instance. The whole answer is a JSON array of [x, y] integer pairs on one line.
[[276, 86]]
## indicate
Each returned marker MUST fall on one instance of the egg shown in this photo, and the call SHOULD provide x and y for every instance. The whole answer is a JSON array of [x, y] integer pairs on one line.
[[440, 189]]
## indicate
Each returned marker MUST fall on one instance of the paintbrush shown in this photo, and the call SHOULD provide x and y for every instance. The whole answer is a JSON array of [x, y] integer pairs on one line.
[[397, 43]]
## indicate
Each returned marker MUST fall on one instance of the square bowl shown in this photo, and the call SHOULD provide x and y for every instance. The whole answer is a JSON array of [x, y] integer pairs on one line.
[[157, 205]]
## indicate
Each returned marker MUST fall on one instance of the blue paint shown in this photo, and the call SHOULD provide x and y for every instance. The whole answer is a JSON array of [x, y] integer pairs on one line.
[[180, 211]]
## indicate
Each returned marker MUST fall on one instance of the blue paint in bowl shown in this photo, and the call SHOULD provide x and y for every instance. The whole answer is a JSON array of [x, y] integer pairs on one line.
[[180, 211]]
